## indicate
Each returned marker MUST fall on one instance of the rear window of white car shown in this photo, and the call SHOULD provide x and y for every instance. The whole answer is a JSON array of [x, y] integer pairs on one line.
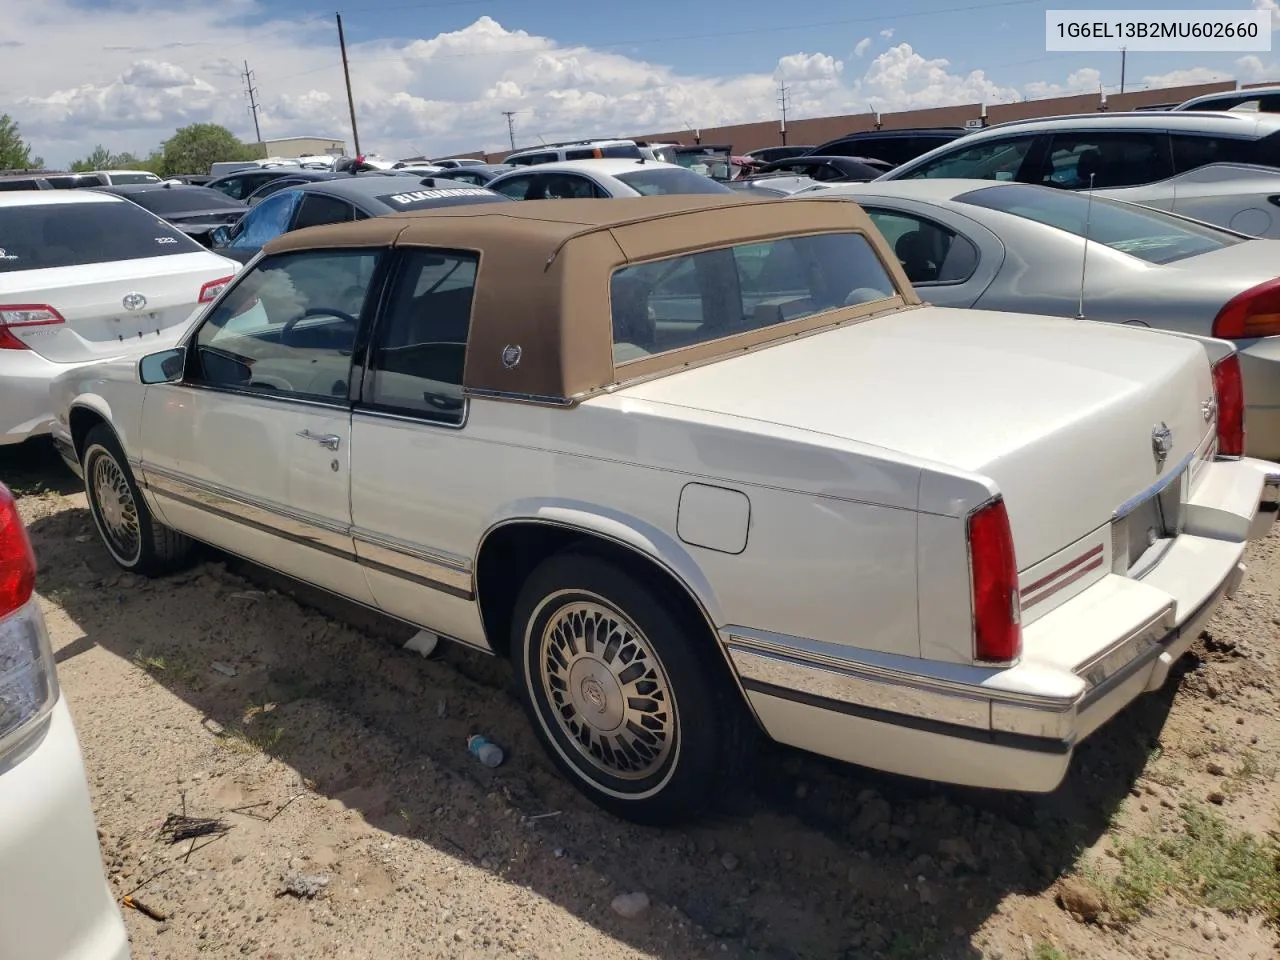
[[45, 235], [656, 182], [1141, 232], [696, 298]]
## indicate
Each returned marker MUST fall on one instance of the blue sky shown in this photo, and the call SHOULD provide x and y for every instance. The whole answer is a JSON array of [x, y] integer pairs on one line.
[[435, 76]]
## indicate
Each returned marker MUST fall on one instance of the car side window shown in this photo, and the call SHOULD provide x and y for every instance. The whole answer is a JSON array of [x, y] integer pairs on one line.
[[996, 159], [517, 188], [317, 209], [927, 251], [567, 186], [1110, 159], [470, 178], [264, 222], [232, 188], [420, 347], [288, 326], [1192, 150]]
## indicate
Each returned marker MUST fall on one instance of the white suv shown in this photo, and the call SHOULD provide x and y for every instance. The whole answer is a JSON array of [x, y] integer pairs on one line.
[[54, 899], [576, 150], [1223, 168]]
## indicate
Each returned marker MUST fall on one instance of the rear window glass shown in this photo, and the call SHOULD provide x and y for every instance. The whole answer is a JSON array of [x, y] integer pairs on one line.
[[1141, 232], [66, 234], [127, 178], [682, 301], [652, 183], [422, 199], [167, 200], [621, 150]]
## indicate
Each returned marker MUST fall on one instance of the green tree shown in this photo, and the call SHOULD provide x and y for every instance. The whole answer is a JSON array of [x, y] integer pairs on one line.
[[192, 149], [100, 158], [15, 153]]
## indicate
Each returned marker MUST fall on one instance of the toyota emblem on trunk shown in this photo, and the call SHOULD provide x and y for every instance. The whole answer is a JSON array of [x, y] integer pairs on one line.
[[134, 301], [1161, 442]]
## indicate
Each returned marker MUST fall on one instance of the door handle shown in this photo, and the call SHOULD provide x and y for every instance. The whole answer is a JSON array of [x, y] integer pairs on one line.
[[329, 441]]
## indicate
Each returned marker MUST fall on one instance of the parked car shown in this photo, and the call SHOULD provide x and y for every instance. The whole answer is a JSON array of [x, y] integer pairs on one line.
[[196, 211], [891, 146], [774, 154], [827, 169], [777, 186], [662, 152], [54, 900], [116, 178], [1256, 99], [452, 163], [85, 275], [240, 184], [340, 200], [1007, 246], [296, 179], [602, 178], [697, 463], [1219, 167], [190, 179], [575, 150], [477, 174], [713, 160]]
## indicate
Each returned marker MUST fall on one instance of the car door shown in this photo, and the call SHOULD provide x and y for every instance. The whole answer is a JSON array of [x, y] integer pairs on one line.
[[263, 223], [250, 450], [415, 466], [1105, 160]]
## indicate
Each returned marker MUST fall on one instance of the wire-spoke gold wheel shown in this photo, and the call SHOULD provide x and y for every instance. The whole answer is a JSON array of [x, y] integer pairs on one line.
[[607, 690], [117, 512]]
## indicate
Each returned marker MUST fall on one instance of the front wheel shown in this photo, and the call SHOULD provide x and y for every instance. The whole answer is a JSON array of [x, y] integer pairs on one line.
[[628, 696], [136, 541]]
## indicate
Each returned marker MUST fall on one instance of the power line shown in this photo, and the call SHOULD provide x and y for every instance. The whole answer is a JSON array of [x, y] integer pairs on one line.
[[511, 126], [254, 106]]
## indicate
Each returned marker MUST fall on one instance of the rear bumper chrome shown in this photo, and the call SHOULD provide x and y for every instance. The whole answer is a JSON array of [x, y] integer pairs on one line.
[[1015, 728]]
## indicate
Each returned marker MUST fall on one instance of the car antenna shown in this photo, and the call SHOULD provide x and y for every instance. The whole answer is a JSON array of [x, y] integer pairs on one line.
[[1084, 259]]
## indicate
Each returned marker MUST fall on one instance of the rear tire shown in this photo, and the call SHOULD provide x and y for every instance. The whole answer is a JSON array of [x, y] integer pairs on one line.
[[628, 697], [136, 541]]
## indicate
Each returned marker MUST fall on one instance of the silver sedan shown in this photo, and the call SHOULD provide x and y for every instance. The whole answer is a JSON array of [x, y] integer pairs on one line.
[[1018, 247]]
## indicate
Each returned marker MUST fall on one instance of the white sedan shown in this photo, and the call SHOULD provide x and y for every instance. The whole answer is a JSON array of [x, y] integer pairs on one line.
[[697, 465], [586, 179], [86, 275], [54, 899]]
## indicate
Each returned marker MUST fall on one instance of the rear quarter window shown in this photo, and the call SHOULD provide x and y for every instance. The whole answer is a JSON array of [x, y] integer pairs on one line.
[[46, 235]]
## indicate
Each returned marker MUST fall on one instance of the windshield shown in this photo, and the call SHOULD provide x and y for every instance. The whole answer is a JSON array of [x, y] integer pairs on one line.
[[699, 297], [657, 182], [41, 235], [168, 200], [1141, 232]]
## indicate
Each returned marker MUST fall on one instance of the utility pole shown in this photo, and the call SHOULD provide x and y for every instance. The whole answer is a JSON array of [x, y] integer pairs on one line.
[[511, 126], [254, 107], [346, 73], [782, 100], [1123, 52]]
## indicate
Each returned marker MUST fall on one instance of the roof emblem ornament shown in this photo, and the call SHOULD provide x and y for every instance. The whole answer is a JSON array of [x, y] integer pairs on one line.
[[1161, 443], [511, 355]]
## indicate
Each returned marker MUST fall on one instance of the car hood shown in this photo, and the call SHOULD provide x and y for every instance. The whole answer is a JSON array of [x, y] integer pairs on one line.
[[1058, 413]]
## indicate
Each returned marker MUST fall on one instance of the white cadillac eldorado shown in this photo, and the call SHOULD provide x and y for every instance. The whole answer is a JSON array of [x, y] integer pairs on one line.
[[698, 465]]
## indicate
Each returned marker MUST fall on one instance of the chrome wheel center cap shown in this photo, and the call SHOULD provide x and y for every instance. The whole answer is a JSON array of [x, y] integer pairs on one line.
[[596, 694]]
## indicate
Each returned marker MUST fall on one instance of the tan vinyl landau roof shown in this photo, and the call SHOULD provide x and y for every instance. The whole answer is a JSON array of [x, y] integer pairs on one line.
[[546, 265]]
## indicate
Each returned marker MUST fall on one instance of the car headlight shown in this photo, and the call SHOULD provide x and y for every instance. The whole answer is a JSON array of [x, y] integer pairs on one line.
[[28, 678]]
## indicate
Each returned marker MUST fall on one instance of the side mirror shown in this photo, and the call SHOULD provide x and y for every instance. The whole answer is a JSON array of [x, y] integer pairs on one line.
[[163, 367], [220, 236]]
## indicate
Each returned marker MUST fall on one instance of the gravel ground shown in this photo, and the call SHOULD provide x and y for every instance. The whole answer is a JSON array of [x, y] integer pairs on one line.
[[351, 822]]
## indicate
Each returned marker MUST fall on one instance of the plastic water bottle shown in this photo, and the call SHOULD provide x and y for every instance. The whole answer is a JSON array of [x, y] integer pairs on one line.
[[485, 750]]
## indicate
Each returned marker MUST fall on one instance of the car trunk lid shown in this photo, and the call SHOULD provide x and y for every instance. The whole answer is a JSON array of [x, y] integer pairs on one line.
[[1063, 415]]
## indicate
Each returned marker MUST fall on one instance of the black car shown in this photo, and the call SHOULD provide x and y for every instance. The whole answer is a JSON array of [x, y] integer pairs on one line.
[[892, 146], [297, 178], [340, 200], [240, 183], [196, 211], [827, 169], [477, 174]]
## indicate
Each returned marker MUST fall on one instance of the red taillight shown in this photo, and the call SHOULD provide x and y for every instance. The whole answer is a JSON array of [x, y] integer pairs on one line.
[[993, 573], [209, 292], [24, 315], [1254, 313], [17, 560], [1228, 391]]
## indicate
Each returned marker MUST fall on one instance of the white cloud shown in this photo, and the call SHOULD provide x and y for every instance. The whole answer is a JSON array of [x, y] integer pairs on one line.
[[1273, 8], [437, 95], [1085, 80], [887, 33], [1251, 69], [1178, 78]]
